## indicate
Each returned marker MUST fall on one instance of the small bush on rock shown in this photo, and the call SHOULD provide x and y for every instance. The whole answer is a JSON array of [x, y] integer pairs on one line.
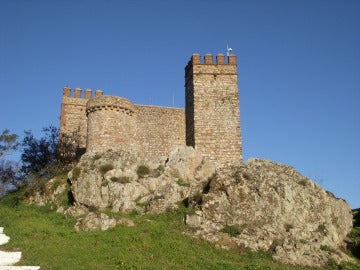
[[121, 180], [105, 168], [182, 183], [76, 173], [321, 228], [232, 230], [142, 171], [97, 156], [325, 248]]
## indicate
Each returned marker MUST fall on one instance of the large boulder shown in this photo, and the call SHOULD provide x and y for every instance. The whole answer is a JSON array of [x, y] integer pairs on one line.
[[264, 205], [123, 182]]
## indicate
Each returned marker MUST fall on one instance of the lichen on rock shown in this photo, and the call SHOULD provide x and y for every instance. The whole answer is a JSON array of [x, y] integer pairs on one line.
[[278, 209], [123, 182], [260, 205]]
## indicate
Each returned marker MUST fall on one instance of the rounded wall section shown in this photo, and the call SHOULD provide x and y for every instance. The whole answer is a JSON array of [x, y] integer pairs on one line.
[[111, 124]]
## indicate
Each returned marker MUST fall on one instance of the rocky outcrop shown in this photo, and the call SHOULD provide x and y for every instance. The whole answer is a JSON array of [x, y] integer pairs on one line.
[[264, 205], [100, 221], [261, 205], [53, 192], [122, 182]]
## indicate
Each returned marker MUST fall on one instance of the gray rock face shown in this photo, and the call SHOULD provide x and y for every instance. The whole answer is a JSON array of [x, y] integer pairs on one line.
[[100, 221], [52, 193], [264, 205], [261, 205], [122, 182]]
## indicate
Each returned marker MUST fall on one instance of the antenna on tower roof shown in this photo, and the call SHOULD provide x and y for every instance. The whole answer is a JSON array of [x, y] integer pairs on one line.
[[228, 50]]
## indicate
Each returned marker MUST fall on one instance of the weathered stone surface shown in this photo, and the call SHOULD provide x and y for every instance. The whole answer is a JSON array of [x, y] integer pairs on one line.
[[76, 211], [100, 221], [114, 180], [52, 193], [261, 205], [275, 208], [212, 108], [187, 164]]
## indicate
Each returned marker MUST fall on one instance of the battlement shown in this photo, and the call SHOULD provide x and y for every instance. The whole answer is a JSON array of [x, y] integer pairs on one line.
[[208, 59], [111, 104], [78, 93]]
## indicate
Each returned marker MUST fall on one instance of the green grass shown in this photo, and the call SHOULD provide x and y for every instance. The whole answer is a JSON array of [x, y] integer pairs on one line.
[[48, 239]]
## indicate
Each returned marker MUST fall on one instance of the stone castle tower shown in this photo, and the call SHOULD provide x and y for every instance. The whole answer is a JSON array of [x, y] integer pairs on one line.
[[73, 117], [209, 123], [212, 108]]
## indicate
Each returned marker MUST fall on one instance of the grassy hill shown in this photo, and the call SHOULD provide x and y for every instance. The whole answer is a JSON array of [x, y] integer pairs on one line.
[[48, 239]]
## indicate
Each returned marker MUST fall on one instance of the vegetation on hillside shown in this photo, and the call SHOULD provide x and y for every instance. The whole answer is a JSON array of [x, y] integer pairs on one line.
[[8, 143], [355, 234], [41, 158], [48, 239]]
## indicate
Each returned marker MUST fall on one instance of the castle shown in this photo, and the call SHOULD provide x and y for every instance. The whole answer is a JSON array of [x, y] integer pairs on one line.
[[210, 121]]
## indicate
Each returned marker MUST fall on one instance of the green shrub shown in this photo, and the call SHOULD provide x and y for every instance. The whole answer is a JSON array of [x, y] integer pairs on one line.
[[321, 228], [105, 168], [233, 230], [161, 168], [356, 214], [355, 241], [92, 208], [303, 182], [76, 173], [142, 171], [182, 183], [303, 241], [121, 180], [56, 183], [325, 248]]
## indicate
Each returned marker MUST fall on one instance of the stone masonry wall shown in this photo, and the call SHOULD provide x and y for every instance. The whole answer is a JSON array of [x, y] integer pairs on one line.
[[160, 129], [116, 123], [111, 124], [212, 108]]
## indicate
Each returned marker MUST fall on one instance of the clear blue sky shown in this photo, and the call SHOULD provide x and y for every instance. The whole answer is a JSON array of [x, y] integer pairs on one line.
[[298, 63]]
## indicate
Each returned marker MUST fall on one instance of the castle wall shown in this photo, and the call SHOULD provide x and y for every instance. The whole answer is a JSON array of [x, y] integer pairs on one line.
[[209, 123], [159, 129], [212, 108]]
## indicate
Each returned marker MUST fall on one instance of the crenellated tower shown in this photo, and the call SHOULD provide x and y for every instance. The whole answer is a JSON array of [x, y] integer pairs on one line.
[[111, 124], [212, 108], [73, 112]]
